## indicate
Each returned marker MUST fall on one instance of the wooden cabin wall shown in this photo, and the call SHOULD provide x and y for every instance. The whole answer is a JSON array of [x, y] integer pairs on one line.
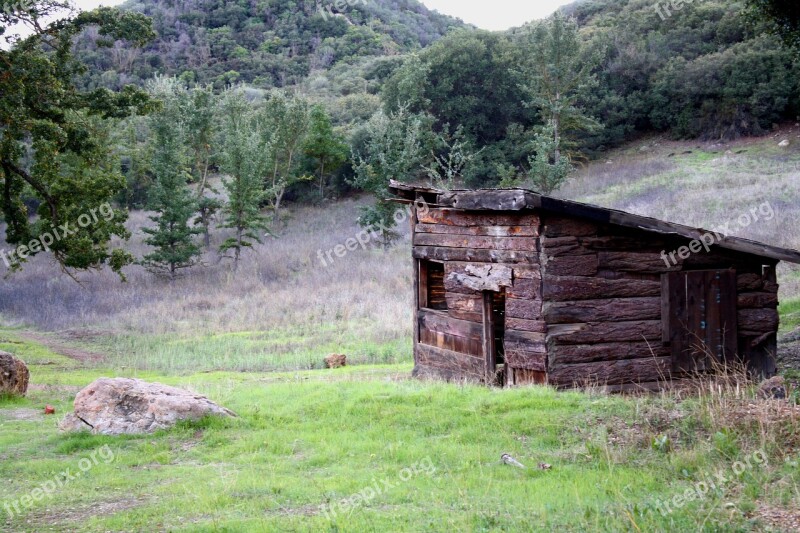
[[448, 343], [602, 297]]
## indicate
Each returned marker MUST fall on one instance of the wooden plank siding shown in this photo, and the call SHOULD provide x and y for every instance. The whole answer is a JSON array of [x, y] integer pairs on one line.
[[587, 299]]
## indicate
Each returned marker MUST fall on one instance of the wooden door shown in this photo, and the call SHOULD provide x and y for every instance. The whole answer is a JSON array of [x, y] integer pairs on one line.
[[699, 314]]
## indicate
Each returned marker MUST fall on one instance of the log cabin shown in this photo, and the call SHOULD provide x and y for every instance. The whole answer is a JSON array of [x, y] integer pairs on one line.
[[513, 287]]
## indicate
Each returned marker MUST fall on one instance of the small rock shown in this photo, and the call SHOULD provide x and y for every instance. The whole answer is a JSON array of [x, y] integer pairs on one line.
[[131, 406], [335, 360], [773, 389], [14, 375], [784, 143]]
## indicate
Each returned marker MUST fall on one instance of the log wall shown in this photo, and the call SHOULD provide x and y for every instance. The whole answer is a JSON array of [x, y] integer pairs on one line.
[[585, 302], [449, 342], [603, 305]]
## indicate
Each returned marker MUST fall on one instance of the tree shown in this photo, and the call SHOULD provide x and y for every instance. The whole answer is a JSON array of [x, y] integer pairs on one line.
[[396, 146], [200, 138], [283, 122], [549, 168], [781, 17], [244, 158], [54, 147], [557, 75], [324, 146], [170, 197]]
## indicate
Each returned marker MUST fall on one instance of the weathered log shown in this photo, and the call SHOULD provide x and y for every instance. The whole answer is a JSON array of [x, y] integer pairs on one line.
[[611, 372], [757, 300], [572, 265], [460, 218], [749, 282], [533, 271], [437, 253], [522, 324], [560, 354], [602, 332], [525, 289], [437, 357], [606, 310], [525, 357], [523, 244], [439, 322], [558, 246], [464, 306], [758, 320], [527, 309], [570, 288], [487, 231], [557, 226], [636, 262], [642, 243], [483, 277], [448, 341]]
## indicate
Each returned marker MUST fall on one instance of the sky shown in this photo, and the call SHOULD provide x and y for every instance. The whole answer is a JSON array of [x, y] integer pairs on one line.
[[496, 14], [486, 14]]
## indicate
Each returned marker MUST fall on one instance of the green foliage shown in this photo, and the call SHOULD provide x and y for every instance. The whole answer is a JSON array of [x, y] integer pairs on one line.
[[244, 159], [266, 44], [54, 139], [557, 72], [396, 146], [468, 80], [284, 124], [549, 167], [170, 197], [324, 146], [781, 17]]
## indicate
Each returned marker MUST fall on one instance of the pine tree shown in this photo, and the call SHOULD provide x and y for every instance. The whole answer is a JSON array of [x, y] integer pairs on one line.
[[244, 158], [324, 146], [170, 198]]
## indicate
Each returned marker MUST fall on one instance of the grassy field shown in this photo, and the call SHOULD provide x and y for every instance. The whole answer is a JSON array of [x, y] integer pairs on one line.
[[366, 449]]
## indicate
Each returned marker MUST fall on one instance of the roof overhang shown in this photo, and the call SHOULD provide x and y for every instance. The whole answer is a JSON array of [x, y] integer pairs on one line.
[[523, 199]]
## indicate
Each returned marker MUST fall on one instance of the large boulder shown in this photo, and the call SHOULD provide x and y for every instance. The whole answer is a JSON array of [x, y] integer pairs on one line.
[[132, 406], [14, 375]]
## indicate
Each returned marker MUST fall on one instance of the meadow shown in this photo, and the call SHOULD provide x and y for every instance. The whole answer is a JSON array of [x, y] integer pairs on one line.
[[366, 448]]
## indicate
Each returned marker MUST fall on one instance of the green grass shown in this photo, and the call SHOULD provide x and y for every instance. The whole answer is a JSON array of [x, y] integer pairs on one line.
[[308, 439], [790, 314], [254, 351]]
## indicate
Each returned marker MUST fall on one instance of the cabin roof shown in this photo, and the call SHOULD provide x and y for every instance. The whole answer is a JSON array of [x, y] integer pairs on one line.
[[524, 199]]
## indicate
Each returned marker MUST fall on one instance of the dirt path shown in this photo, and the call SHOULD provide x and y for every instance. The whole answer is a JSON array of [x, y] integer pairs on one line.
[[60, 348]]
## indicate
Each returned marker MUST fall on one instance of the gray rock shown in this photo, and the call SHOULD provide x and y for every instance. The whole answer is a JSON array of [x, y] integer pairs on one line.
[[131, 406], [14, 375]]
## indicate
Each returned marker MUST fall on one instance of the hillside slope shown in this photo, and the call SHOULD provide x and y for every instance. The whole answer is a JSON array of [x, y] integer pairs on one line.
[[269, 43]]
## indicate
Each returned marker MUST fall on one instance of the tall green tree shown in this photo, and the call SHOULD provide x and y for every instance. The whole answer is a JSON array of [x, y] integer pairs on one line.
[[396, 146], [324, 146], [284, 122], [557, 74], [54, 139], [174, 204], [200, 140], [244, 158]]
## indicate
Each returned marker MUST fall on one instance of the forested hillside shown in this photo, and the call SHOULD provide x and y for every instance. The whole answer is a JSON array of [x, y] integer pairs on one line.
[[269, 43]]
